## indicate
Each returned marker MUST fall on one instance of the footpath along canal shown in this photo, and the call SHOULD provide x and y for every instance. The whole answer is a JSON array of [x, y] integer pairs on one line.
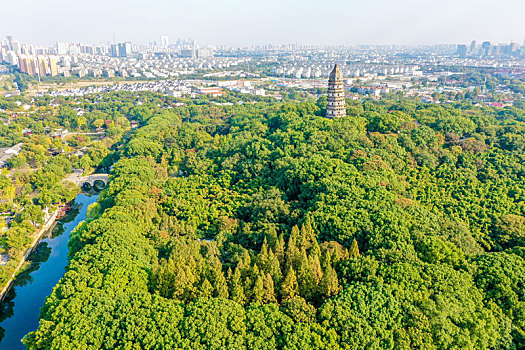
[[20, 309]]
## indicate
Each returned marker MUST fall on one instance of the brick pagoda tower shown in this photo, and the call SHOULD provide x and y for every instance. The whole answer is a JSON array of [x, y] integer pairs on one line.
[[336, 95]]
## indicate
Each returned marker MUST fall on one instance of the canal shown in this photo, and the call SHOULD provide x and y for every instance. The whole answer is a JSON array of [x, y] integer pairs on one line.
[[20, 309]]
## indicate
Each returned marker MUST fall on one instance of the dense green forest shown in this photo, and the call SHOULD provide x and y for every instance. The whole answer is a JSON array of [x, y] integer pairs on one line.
[[267, 226]]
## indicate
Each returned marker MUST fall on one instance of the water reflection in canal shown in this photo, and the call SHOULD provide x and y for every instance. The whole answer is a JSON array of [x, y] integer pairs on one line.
[[20, 309]]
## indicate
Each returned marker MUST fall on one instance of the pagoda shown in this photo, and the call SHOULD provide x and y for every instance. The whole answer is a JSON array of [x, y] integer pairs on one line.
[[335, 107]]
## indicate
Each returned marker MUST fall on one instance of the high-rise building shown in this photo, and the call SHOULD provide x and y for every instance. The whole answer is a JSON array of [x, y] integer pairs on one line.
[[485, 48], [53, 69], [43, 66], [472, 46], [124, 49], [62, 48], [88, 49], [164, 41], [188, 53], [101, 50], [38, 65], [74, 49], [28, 64], [9, 39], [114, 50], [462, 50], [335, 107], [12, 58], [16, 46]]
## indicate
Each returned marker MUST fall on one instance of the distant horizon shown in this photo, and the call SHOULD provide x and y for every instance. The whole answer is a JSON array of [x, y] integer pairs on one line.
[[244, 23], [172, 41]]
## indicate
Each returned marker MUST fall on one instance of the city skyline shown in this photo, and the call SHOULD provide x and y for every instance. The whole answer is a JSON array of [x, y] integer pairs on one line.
[[244, 23]]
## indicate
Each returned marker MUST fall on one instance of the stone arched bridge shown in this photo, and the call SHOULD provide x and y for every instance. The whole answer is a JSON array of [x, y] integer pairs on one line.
[[80, 180]]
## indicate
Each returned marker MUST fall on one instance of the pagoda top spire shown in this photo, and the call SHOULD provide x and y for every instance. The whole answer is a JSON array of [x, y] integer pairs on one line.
[[336, 74]]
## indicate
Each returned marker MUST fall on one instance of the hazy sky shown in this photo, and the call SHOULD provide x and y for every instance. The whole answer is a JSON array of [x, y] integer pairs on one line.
[[269, 21]]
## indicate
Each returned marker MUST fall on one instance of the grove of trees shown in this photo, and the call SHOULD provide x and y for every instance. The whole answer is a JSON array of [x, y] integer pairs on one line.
[[268, 226]]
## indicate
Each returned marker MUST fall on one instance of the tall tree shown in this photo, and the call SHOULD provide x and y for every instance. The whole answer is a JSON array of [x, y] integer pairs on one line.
[[236, 287], [289, 286], [354, 250], [269, 290]]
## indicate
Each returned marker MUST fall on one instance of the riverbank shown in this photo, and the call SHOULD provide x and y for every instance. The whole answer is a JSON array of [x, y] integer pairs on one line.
[[21, 306], [47, 225]]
